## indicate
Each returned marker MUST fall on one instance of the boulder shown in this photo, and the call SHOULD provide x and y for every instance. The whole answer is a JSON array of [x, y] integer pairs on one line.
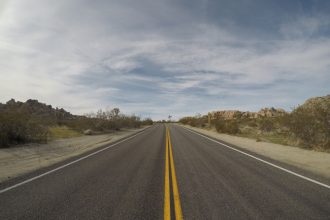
[[88, 132]]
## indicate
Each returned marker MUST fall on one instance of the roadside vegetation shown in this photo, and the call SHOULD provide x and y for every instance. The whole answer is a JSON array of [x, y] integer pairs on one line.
[[307, 126], [32, 121], [56, 132]]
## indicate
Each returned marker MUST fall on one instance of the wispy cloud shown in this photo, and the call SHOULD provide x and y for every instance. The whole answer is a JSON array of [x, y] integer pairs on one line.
[[156, 58]]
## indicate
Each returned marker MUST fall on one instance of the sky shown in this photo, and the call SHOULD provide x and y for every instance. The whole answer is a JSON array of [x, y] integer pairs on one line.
[[156, 58]]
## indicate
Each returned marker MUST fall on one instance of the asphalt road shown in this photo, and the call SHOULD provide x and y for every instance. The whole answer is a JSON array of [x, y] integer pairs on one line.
[[128, 181]]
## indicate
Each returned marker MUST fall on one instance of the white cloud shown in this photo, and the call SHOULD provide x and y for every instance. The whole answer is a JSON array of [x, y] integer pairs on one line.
[[151, 53]]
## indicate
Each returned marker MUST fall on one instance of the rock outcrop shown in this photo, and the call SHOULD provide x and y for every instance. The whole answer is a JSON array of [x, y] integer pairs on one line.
[[36, 108], [320, 102], [271, 112], [234, 114], [229, 114]]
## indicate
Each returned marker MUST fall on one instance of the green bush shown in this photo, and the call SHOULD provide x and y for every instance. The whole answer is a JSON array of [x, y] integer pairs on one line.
[[104, 121], [147, 121], [251, 123], [266, 124], [16, 128], [227, 126], [219, 125], [198, 121], [311, 126], [232, 127], [29, 122]]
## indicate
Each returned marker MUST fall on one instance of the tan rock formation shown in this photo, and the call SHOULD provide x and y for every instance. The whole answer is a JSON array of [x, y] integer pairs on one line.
[[234, 114]]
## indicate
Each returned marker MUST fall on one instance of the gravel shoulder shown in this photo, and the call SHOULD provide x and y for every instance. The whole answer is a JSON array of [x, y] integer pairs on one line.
[[312, 161], [22, 159]]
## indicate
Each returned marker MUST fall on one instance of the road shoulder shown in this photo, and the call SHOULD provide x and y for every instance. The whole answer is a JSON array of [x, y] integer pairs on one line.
[[21, 160], [311, 161]]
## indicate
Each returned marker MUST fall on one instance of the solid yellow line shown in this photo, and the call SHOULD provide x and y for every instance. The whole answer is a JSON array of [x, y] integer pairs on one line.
[[176, 196], [167, 206]]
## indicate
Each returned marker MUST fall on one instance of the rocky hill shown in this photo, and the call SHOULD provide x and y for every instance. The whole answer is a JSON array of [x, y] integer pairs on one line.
[[35, 108], [32, 121], [322, 102], [234, 114], [307, 125]]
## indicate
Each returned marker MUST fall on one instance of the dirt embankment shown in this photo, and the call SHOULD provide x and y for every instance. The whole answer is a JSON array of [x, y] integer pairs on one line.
[[26, 158], [312, 161]]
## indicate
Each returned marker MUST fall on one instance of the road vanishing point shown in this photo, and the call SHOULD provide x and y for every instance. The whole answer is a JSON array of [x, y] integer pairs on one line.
[[166, 172]]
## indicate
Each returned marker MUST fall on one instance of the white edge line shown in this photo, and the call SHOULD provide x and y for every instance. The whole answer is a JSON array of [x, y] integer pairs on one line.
[[68, 164], [261, 160]]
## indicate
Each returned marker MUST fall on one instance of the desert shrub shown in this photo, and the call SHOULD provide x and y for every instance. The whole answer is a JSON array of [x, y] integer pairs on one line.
[[185, 120], [29, 122], [4, 141], [231, 127], [13, 128], [266, 124], [252, 123], [80, 123], [147, 121], [311, 125], [193, 122], [128, 121], [227, 126], [37, 132], [238, 115], [219, 125], [105, 121], [197, 121], [16, 127]]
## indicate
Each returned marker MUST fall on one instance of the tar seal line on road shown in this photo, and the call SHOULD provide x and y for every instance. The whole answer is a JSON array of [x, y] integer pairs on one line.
[[169, 165], [167, 206]]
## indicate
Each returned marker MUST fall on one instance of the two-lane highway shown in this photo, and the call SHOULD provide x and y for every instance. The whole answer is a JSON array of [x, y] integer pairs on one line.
[[159, 173]]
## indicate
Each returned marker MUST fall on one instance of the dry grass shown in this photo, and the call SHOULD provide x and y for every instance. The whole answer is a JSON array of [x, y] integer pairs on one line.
[[58, 132]]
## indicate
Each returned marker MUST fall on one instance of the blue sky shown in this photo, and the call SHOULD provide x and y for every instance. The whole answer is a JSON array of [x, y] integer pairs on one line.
[[155, 58]]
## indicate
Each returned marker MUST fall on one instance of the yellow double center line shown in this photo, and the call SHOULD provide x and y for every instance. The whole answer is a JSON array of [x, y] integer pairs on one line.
[[169, 166]]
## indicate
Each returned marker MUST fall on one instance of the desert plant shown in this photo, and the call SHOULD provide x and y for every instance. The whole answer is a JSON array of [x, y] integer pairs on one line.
[[17, 127], [197, 121], [147, 121], [252, 123], [227, 126], [231, 127], [311, 125], [266, 124], [219, 125]]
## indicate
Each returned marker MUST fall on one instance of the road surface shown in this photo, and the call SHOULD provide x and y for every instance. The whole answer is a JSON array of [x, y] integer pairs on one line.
[[161, 174]]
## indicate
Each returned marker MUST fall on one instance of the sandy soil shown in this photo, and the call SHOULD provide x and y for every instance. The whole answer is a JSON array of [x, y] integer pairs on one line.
[[313, 161], [26, 158]]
